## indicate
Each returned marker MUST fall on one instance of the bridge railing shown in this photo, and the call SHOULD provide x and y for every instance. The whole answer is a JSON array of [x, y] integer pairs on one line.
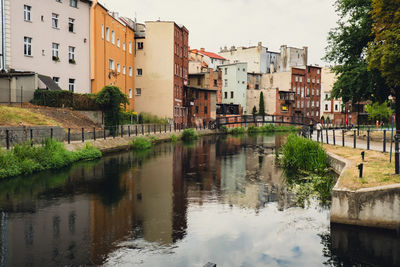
[[247, 120]]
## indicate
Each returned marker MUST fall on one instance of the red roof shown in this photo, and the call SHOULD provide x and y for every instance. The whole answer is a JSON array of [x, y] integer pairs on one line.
[[212, 55]]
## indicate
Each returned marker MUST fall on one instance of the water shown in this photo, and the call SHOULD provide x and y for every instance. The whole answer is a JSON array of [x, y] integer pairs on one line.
[[218, 200]]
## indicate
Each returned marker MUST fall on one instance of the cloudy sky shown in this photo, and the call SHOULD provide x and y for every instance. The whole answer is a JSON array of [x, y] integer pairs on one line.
[[216, 23]]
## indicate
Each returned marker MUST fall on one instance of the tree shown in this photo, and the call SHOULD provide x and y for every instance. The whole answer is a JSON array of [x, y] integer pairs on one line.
[[110, 98], [261, 107], [254, 112], [380, 112], [347, 45]]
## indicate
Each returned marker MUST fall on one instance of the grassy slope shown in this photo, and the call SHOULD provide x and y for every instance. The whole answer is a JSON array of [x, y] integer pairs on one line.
[[13, 116]]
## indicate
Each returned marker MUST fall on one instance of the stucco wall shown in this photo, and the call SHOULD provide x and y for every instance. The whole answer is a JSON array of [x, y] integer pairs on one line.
[[236, 76]]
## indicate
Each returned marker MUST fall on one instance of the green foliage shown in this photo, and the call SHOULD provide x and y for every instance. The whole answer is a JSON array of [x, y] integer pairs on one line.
[[189, 135], [269, 128], [261, 106], [253, 129], [299, 154], [237, 130], [110, 98], [24, 159], [347, 45], [59, 99], [224, 129], [128, 117], [141, 143], [379, 111], [174, 138], [150, 118]]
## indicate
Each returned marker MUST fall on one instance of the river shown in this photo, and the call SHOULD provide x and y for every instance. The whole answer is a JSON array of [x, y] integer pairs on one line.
[[219, 199]]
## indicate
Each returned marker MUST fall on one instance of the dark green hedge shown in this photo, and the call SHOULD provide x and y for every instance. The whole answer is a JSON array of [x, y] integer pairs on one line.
[[59, 99]]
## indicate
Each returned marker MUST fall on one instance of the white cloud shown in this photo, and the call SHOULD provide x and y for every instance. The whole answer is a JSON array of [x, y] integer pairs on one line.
[[216, 23]]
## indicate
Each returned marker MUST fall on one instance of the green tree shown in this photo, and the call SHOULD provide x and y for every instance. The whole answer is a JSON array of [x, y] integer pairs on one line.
[[347, 45], [111, 99], [254, 112], [379, 111], [384, 49], [261, 107]]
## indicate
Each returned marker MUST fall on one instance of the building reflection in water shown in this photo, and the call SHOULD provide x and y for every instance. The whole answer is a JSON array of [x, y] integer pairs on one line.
[[80, 215]]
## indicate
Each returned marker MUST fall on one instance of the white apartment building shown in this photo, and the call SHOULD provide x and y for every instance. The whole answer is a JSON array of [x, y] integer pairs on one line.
[[234, 84], [49, 37], [330, 108]]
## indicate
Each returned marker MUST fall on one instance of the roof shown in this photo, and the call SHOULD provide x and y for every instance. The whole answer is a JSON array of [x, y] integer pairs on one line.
[[211, 55], [201, 89], [16, 74], [50, 84]]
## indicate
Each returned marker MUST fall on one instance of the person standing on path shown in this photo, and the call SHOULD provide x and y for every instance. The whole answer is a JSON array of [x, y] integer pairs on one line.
[[319, 130]]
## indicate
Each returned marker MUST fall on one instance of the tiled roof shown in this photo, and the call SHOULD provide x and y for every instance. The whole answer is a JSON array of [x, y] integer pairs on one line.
[[211, 55]]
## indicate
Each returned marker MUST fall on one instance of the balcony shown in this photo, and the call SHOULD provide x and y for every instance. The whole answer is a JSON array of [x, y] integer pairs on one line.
[[286, 96]]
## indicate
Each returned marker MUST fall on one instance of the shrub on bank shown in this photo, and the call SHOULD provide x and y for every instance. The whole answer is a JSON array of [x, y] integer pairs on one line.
[[64, 99], [223, 129], [253, 129], [189, 135], [141, 143], [174, 138], [24, 159], [237, 130]]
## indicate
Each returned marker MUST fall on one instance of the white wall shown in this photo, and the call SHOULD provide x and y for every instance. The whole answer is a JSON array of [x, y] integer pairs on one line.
[[43, 35], [236, 76]]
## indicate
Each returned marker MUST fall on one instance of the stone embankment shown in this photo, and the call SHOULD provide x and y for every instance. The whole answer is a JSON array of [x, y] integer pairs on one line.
[[377, 207]]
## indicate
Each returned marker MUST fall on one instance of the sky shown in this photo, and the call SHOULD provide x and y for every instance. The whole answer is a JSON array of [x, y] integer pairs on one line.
[[217, 23]]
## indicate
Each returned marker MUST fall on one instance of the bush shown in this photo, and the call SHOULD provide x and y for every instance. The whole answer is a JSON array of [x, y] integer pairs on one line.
[[189, 135], [65, 99], [303, 154], [128, 117], [253, 129], [174, 138], [24, 159], [150, 118], [141, 143], [224, 129], [268, 128], [237, 130]]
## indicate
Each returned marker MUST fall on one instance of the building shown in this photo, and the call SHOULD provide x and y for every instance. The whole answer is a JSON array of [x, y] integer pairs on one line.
[[51, 38], [331, 109], [161, 59], [112, 52], [202, 93], [292, 57], [234, 84], [209, 59]]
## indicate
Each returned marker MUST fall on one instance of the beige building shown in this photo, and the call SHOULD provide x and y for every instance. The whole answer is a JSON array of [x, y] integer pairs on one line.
[[331, 109], [161, 69]]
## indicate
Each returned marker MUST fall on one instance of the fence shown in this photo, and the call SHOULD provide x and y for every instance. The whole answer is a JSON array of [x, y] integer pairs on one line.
[[10, 136]]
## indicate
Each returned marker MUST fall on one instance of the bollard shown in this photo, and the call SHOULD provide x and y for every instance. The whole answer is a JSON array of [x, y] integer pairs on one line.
[[83, 135], [170, 128], [362, 155], [142, 129], [129, 130], [7, 139], [334, 138], [94, 133], [51, 133], [384, 141], [160, 127], [154, 129], [396, 154], [122, 131], [368, 132], [69, 135], [355, 139], [343, 138], [114, 131], [136, 133], [360, 168], [104, 133], [31, 134], [327, 137], [165, 128], [148, 128]]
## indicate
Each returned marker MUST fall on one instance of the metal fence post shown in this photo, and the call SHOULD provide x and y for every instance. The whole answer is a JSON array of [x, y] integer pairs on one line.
[[94, 133], [334, 138], [122, 131], [343, 138], [160, 128], [83, 135], [104, 133], [384, 140], [327, 136], [51, 133], [69, 136], [129, 130], [154, 129], [368, 134], [142, 129], [396, 154], [31, 137], [136, 133], [148, 128], [7, 139], [322, 135], [355, 139], [165, 128]]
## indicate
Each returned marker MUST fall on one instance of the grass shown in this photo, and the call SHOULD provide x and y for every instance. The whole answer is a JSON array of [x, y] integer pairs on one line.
[[377, 171], [268, 128], [24, 159], [141, 143], [237, 130], [189, 135], [14, 116]]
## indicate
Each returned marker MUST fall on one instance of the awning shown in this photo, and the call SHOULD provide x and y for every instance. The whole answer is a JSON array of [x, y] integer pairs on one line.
[[50, 84]]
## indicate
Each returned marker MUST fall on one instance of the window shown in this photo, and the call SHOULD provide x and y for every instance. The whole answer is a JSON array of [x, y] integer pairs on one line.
[[130, 71], [73, 3], [56, 80], [313, 80], [197, 110], [312, 103], [317, 92], [107, 34], [205, 96], [71, 85], [130, 92], [226, 71], [55, 51], [317, 114], [244, 69], [118, 43], [27, 13], [59, 1], [308, 103], [284, 108], [215, 83], [27, 46], [257, 86], [139, 46], [317, 103], [205, 110], [298, 104], [71, 54], [225, 95], [124, 70], [308, 91], [226, 82], [326, 107], [71, 23], [297, 79], [318, 72], [302, 104], [123, 46], [112, 37], [139, 72], [301, 79], [118, 68], [336, 107], [111, 64], [102, 31], [197, 94], [317, 81], [138, 91], [231, 94], [312, 91], [308, 80], [312, 113], [326, 96], [54, 19]]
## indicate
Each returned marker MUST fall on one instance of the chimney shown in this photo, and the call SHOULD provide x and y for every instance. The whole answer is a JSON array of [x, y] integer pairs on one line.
[[305, 48], [202, 49], [259, 44]]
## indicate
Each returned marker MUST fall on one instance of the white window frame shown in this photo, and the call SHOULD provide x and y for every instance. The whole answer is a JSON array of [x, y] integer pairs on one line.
[[27, 46], [71, 85], [71, 21], [54, 20], [55, 50], [139, 74], [107, 34], [102, 31], [138, 91], [130, 93], [27, 13], [124, 70], [123, 46], [118, 67], [130, 48], [113, 37], [130, 71], [73, 3], [118, 42], [71, 53], [111, 64]]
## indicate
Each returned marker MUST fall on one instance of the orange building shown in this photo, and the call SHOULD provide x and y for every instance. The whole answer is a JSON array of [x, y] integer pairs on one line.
[[112, 52]]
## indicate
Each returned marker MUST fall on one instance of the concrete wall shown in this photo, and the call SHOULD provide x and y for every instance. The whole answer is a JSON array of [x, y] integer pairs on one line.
[[95, 116], [43, 35], [236, 75]]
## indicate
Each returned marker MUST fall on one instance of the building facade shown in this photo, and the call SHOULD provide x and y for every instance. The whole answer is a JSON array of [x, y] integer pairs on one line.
[[331, 109], [112, 52], [161, 56], [51, 38], [292, 57], [209, 59], [234, 84]]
